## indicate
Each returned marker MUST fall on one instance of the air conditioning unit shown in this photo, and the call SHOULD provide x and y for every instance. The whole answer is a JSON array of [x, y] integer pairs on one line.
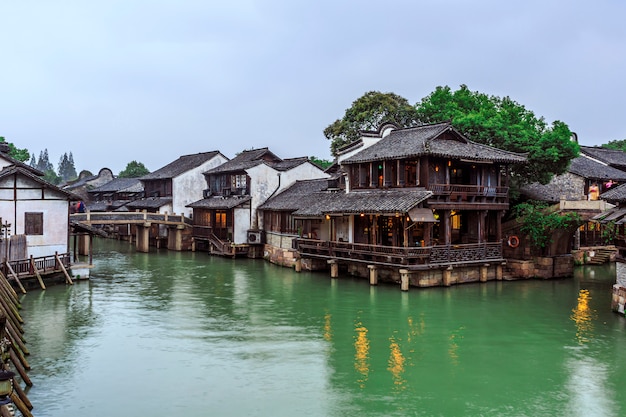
[[255, 237]]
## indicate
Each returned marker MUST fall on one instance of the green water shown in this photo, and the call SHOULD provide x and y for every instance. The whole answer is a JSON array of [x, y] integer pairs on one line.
[[186, 334]]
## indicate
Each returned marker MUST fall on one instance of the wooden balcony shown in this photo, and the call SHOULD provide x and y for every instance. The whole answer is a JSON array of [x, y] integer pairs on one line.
[[455, 196], [401, 257]]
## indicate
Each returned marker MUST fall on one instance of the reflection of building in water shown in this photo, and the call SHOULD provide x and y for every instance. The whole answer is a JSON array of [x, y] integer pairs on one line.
[[396, 363], [328, 330], [361, 356], [582, 315]]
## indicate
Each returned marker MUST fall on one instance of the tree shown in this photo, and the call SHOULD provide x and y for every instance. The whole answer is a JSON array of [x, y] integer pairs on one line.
[[619, 145], [539, 222], [504, 124], [134, 169], [369, 112], [66, 169], [21, 155], [43, 163], [322, 163]]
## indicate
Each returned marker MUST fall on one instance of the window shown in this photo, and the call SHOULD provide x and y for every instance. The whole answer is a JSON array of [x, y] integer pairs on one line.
[[33, 223]]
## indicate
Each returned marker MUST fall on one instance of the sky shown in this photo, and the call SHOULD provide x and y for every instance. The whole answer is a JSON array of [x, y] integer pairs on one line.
[[115, 81]]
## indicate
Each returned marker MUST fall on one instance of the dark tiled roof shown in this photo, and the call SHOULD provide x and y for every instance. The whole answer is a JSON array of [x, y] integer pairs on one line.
[[33, 175], [130, 185], [617, 194], [296, 196], [588, 168], [287, 164], [369, 202], [182, 164], [220, 203], [149, 203], [610, 156], [547, 192], [246, 159], [436, 140]]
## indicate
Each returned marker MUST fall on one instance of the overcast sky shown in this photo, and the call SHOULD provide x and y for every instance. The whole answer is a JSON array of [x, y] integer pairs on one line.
[[150, 80]]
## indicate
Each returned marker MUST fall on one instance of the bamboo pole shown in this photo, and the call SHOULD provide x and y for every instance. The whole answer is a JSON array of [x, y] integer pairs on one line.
[[68, 279], [16, 340], [11, 309], [16, 278], [32, 264]]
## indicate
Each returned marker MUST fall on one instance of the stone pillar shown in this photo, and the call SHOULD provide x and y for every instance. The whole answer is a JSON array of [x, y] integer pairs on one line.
[[83, 244], [404, 279], [334, 268], [373, 274], [483, 272], [175, 238], [298, 265], [447, 276], [143, 237], [499, 274]]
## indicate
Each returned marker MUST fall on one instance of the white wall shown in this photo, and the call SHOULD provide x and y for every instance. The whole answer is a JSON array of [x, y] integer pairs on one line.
[[187, 187], [55, 209], [265, 182], [241, 224]]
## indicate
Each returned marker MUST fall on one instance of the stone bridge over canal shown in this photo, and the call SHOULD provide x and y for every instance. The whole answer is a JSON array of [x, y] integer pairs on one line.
[[176, 225]]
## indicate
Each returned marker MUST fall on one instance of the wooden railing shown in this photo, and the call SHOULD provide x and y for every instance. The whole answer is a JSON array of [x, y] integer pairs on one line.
[[401, 256], [463, 192], [44, 264]]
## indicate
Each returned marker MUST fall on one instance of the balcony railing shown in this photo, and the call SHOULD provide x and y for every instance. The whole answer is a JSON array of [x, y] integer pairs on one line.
[[468, 192], [402, 256]]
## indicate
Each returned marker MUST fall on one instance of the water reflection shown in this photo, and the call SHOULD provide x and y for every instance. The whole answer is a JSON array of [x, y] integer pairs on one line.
[[396, 363], [583, 316], [361, 354], [248, 338]]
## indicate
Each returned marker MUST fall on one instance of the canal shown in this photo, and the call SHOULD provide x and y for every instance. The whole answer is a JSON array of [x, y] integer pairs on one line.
[[187, 334]]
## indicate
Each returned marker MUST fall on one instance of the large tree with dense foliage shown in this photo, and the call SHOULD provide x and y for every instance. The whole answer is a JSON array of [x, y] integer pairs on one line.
[[21, 155], [134, 169], [504, 124], [66, 168], [369, 112]]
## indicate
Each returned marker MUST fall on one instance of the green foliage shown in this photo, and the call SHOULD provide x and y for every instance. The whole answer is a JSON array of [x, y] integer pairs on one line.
[[67, 170], [323, 163], [369, 112], [21, 155], [134, 169], [43, 163], [539, 222], [504, 124], [619, 145], [609, 232], [52, 177]]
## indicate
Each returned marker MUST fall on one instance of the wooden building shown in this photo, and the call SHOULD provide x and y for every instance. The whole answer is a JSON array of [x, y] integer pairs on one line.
[[225, 219], [413, 199]]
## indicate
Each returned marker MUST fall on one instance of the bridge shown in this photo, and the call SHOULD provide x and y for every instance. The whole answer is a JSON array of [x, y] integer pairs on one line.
[[176, 225]]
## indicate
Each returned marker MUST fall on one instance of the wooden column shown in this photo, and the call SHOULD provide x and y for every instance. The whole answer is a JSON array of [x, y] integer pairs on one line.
[[143, 237], [84, 244]]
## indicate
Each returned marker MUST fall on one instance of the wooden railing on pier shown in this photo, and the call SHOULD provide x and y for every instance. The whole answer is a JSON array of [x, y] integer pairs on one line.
[[401, 256], [17, 270], [131, 217]]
